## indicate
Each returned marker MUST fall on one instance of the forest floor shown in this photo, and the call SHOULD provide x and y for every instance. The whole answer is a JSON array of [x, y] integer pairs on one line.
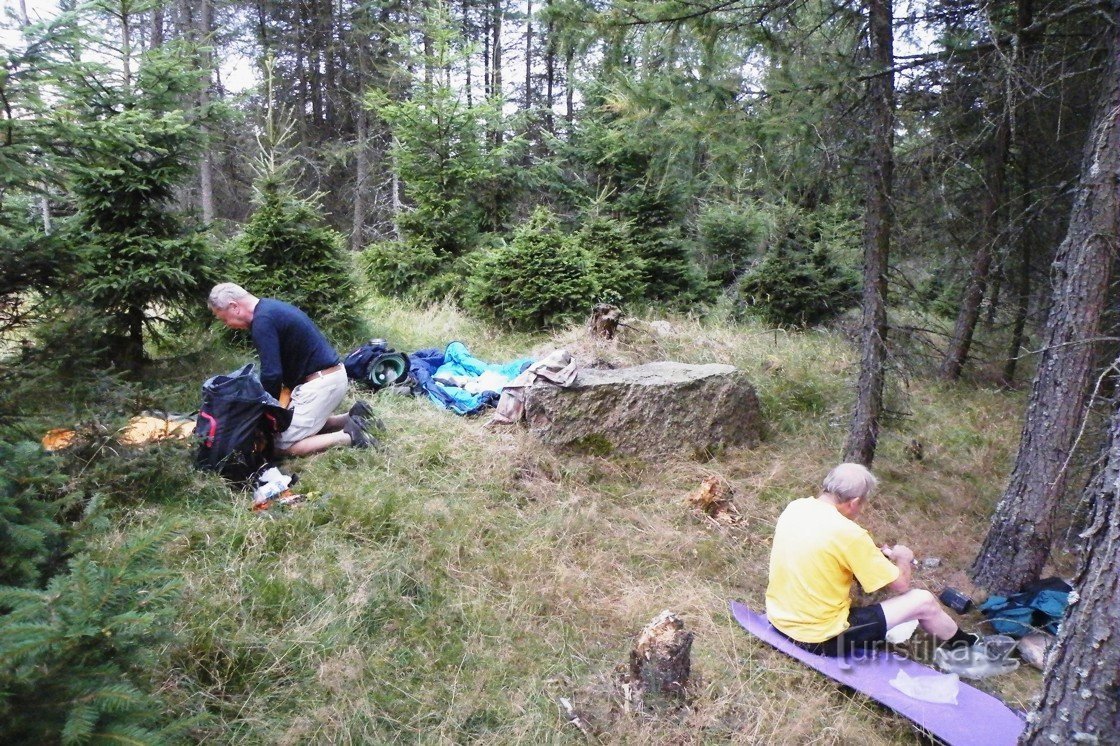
[[457, 584]]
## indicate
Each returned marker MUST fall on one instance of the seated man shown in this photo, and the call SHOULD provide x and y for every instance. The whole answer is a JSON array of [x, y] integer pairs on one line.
[[818, 549], [294, 353]]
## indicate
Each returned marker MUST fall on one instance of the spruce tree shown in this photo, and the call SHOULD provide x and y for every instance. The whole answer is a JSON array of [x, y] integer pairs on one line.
[[76, 659], [138, 261], [287, 250]]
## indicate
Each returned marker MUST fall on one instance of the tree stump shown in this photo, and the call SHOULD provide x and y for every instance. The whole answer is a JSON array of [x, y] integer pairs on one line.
[[661, 661], [605, 319], [713, 499]]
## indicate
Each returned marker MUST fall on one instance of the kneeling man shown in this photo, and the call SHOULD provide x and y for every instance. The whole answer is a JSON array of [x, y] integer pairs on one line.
[[295, 354], [818, 549]]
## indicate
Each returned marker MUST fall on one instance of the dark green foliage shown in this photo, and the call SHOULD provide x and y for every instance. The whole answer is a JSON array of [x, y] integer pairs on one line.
[[941, 294], [77, 659], [797, 283], [629, 172], [30, 261], [670, 275], [288, 252], [412, 269], [439, 151], [618, 269], [29, 488], [542, 278], [137, 260], [730, 235]]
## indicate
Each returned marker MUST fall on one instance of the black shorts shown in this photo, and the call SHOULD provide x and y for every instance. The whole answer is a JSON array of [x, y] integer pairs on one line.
[[867, 625]]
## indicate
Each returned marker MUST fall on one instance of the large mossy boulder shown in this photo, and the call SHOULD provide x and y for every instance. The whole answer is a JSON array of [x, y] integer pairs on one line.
[[649, 410]]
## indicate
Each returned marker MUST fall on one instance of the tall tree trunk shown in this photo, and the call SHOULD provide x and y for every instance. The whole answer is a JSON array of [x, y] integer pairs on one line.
[[569, 105], [487, 92], [126, 48], [1018, 541], [206, 163], [1024, 239], [468, 62], [361, 176], [550, 77], [529, 55], [1079, 702], [863, 435], [157, 27], [961, 341], [496, 66]]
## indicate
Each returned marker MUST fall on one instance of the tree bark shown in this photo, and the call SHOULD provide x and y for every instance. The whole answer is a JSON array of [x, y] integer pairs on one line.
[[550, 75], [1079, 703], [1024, 240], [206, 163], [529, 55], [863, 435], [157, 27], [961, 341], [361, 176], [569, 102], [1018, 541]]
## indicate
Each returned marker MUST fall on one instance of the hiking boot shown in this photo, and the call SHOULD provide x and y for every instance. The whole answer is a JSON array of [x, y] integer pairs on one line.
[[358, 437], [963, 644], [361, 408], [372, 425]]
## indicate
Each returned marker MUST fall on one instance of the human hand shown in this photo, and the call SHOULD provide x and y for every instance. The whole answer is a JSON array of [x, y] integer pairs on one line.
[[899, 554]]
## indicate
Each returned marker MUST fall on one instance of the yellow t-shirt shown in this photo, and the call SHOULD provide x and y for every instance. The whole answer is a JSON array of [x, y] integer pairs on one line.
[[815, 555]]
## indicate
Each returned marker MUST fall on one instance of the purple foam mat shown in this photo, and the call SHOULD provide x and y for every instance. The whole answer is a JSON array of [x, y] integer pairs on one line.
[[977, 718]]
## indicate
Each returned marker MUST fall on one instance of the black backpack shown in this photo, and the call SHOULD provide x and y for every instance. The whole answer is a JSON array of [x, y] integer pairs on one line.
[[236, 425]]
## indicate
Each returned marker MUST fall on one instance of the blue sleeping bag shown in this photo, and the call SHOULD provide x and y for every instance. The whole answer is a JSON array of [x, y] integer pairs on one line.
[[456, 361]]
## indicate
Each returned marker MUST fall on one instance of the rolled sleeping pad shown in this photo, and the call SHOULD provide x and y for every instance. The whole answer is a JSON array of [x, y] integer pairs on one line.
[[387, 369]]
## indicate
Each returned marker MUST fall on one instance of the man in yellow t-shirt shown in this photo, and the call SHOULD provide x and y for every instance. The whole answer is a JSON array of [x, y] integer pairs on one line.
[[819, 549]]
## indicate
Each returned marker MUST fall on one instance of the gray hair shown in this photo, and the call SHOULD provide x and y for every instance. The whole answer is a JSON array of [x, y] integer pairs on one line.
[[225, 293], [849, 481]]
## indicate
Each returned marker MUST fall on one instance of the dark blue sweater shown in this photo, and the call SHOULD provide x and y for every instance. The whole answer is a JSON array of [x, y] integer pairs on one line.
[[289, 344]]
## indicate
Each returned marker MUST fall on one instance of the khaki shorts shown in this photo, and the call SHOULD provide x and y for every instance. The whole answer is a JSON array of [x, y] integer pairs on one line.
[[312, 403]]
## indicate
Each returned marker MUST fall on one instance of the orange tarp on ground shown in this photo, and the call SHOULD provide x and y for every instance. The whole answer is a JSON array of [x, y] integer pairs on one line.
[[139, 430]]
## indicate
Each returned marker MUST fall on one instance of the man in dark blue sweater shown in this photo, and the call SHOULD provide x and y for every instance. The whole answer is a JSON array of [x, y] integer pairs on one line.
[[295, 354]]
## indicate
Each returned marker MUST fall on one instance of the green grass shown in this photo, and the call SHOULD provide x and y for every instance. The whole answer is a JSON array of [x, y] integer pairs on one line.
[[452, 587]]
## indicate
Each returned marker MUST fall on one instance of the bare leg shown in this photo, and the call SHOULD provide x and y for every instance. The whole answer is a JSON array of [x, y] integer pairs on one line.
[[334, 423], [317, 443], [923, 606]]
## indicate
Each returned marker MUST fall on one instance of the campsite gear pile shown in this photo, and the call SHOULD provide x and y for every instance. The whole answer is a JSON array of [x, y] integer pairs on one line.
[[451, 377], [237, 423], [1039, 606], [377, 365], [556, 368]]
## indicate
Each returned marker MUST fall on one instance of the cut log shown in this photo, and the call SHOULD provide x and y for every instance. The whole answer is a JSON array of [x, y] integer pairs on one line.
[[649, 410], [661, 662]]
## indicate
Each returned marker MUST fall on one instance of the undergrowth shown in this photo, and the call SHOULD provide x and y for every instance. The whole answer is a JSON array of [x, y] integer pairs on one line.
[[454, 586]]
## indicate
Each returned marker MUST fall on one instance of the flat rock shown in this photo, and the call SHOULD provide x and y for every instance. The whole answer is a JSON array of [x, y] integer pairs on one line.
[[648, 410]]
